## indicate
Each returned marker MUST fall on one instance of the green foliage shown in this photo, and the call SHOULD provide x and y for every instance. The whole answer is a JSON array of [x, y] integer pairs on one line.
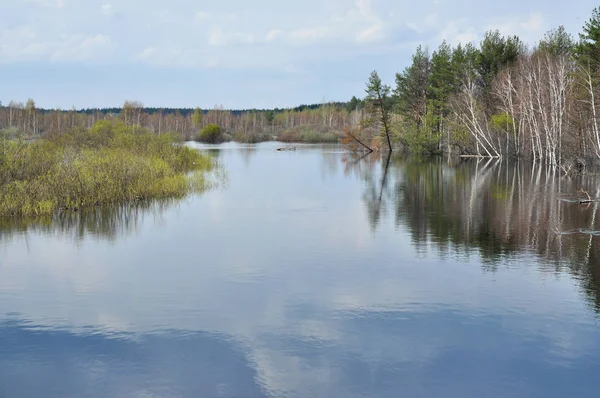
[[354, 104], [412, 86], [443, 79], [503, 122], [111, 163], [423, 138], [210, 134], [460, 136], [557, 42], [495, 53], [197, 118], [420, 142], [588, 49], [464, 62], [10, 133]]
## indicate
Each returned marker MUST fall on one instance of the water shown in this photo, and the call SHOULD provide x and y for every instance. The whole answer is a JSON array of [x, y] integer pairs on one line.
[[311, 273]]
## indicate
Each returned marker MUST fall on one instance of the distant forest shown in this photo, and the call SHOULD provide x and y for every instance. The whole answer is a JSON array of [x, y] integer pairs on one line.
[[350, 105], [309, 123]]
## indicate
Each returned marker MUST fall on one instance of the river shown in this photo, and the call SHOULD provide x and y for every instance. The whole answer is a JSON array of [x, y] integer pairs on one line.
[[313, 273]]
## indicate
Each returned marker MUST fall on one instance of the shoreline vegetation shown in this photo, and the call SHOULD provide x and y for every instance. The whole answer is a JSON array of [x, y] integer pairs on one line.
[[498, 99], [110, 163]]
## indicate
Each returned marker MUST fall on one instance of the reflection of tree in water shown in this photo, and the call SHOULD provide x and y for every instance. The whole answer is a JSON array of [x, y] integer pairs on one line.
[[373, 169], [492, 208], [247, 153], [107, 223], [331, 162]]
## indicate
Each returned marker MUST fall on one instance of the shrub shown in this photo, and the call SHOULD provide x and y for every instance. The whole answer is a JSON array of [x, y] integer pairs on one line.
[[210, 134]]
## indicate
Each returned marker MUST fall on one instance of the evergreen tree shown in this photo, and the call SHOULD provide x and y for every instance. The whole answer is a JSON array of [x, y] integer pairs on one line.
[[495, 53], [412, 87], [557, 42], [442, 82], [588, 49], [379, 104]]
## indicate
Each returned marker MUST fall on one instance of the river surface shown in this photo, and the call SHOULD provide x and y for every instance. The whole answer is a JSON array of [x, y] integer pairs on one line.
[[313, 273]]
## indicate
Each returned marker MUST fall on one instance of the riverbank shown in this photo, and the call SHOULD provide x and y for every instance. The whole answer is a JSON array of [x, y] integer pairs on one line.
[[303, 134], [110, 163]]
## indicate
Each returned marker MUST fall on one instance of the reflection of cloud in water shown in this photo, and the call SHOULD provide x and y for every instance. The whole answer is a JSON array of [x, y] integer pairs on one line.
[[376, 354], [312, 302], [59, 363]]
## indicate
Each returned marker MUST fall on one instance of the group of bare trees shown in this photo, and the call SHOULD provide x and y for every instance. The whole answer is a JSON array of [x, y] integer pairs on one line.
[[28, 121], [535, 106]]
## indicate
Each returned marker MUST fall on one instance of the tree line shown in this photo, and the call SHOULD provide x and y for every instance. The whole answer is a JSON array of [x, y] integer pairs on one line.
[[26, 120], [497, 99]]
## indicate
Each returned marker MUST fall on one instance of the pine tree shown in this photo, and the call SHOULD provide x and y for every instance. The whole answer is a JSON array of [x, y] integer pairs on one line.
[[412, 87], [588, 49], [379, 104], [442, 82]]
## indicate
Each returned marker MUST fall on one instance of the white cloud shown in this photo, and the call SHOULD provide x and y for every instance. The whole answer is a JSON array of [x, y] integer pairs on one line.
[[529, 30], [534, 23], [273, 35], [147, 53], [458, 31], [219, 38], [47, 3], [82, 48], [202, 16], [374, 33], [107, 10], [25, 44], [310, 34]]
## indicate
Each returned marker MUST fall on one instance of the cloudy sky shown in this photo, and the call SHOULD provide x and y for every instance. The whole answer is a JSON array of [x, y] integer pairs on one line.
[[237, 53]]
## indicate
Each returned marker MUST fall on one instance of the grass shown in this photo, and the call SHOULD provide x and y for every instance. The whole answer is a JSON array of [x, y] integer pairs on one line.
[[110, 163]]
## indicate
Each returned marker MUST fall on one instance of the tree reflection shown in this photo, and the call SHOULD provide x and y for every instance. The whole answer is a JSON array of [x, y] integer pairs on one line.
[[490, 208], [108, 223], [373, 170]]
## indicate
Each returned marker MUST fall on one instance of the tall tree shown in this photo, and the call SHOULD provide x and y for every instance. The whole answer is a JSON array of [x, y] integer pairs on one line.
[[557, 42], [412, 86], [588, 49], [31, 114], [496, 52], [197, 118], [379, 104], [587, 54], [442, 82]]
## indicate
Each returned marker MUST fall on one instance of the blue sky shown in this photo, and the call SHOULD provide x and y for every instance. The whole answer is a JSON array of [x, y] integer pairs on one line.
[[238, 53]]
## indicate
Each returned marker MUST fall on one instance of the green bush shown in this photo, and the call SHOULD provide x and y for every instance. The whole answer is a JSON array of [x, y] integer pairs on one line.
[[503, 122], [210, 134], [110, 163]]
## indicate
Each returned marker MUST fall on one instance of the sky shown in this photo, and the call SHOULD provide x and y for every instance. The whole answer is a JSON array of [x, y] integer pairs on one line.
[[237, 53]]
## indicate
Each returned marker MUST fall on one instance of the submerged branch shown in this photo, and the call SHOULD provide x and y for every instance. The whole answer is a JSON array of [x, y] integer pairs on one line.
[[347, 131]]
